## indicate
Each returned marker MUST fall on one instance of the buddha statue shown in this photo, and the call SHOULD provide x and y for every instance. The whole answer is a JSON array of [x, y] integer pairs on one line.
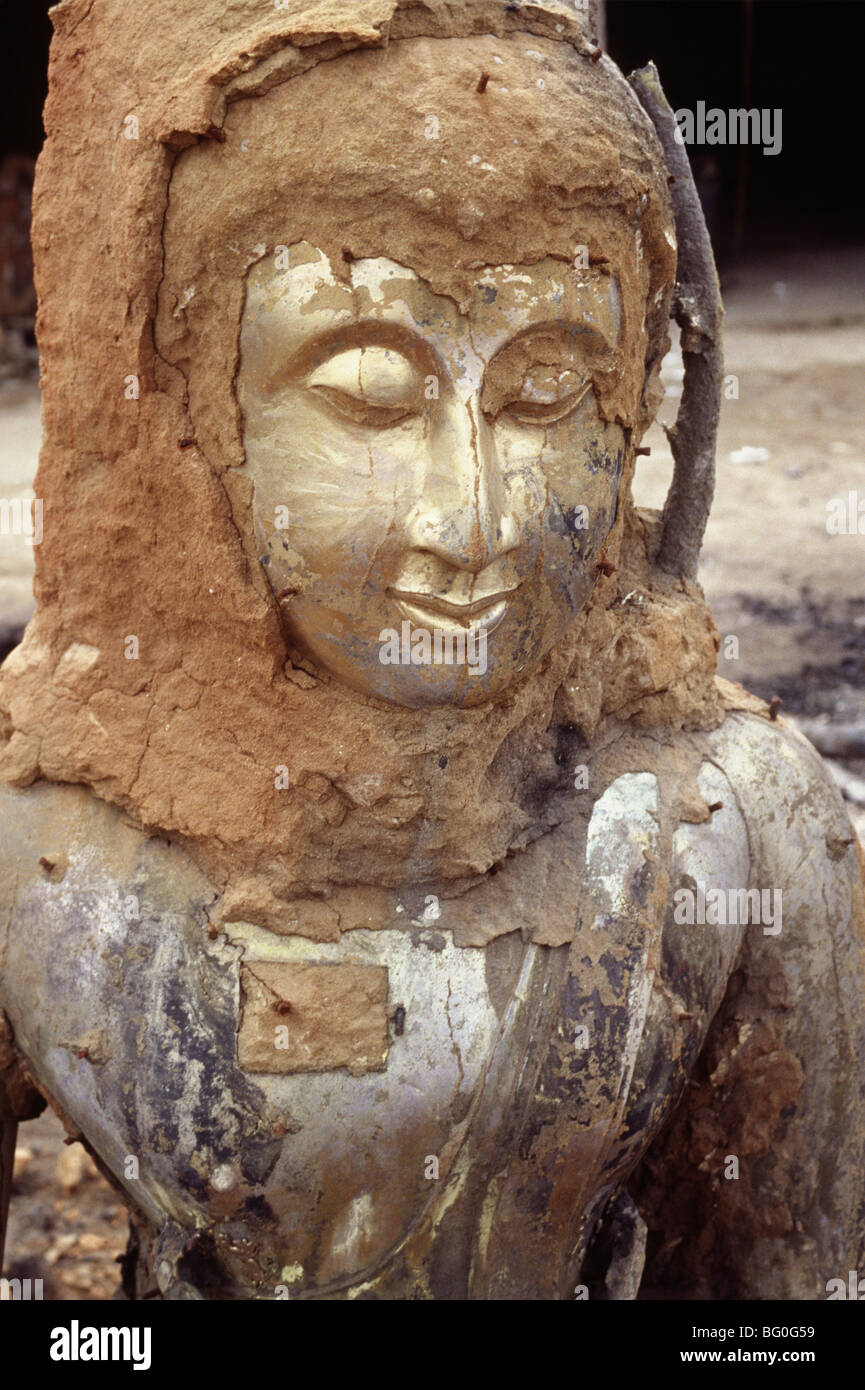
[[394, 901]]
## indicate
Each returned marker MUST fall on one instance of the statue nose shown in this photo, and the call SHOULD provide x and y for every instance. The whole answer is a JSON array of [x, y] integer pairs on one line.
[[463, 516]]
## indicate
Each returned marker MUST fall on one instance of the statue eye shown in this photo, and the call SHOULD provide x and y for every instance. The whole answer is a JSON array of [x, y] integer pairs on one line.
[[548, 394], [371, 385]]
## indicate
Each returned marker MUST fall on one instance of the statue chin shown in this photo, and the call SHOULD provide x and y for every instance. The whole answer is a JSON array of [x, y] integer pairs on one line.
[[421, 666]]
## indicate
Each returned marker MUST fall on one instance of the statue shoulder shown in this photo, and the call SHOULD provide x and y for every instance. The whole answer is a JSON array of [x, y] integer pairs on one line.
[[45, 826], [805, 856], [794, 812], [57, 834]]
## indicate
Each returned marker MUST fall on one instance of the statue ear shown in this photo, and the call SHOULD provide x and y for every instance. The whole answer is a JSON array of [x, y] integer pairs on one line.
[[698, 311]]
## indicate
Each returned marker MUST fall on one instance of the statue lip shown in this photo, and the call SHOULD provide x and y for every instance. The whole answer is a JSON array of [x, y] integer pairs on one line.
[[488, 605]]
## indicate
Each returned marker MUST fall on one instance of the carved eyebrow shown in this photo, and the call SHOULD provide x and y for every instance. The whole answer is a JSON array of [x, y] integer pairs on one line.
[[359, 333], [582, 334]]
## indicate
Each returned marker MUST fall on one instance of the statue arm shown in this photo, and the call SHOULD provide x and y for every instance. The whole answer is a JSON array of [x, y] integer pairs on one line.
[[755, 1189]]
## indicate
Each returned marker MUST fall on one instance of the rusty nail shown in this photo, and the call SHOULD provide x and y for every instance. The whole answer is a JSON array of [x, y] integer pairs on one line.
[[482, 82]]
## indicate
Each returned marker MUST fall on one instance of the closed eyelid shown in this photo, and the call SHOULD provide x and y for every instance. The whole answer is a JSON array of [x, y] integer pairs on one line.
[[543, 373], [371, 373], [363, 335]]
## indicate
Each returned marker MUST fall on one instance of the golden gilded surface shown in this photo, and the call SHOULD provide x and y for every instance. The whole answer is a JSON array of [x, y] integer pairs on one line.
[[432, 482]]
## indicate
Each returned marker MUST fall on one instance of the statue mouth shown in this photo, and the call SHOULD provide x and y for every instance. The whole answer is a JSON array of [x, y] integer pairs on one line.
[[431, 611]]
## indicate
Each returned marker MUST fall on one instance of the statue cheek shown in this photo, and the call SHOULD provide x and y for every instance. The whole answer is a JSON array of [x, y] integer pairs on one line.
[[583, 493], [332, 508]]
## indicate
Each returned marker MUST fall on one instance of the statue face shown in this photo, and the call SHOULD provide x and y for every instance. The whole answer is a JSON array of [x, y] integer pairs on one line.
[[422, 470]]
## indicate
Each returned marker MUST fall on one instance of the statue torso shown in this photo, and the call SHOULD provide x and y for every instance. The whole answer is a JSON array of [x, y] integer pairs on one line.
[[439, 1119]]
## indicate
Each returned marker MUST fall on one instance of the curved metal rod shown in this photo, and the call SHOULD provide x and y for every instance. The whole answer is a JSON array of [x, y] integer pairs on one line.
[[699, 313]]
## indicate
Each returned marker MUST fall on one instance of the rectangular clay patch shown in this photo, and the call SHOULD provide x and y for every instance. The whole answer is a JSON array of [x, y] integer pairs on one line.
[[336, 1017]]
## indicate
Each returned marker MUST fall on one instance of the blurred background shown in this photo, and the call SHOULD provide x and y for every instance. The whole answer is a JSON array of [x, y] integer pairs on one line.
[[788, 594]]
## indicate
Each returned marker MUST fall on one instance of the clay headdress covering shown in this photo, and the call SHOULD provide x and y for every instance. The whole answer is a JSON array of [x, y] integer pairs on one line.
[[184, 142]]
